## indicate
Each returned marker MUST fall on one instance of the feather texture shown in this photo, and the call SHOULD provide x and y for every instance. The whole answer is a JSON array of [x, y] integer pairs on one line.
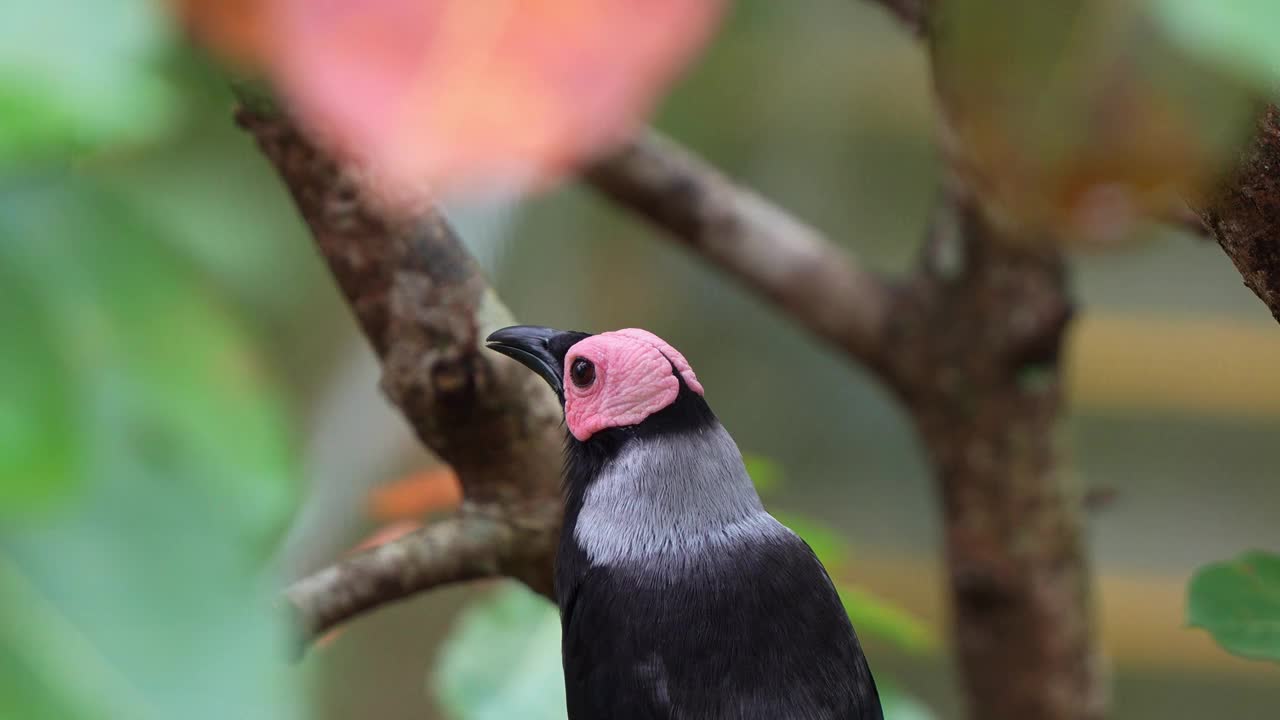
[[681, 597]]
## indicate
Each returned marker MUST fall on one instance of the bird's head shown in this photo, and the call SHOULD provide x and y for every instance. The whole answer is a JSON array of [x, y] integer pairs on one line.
[[611, 380]]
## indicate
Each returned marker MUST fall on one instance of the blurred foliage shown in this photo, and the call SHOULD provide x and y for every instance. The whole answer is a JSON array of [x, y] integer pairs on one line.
[[146, 464], [76, 74], [450, 96], [1237, 35], [898, 706], [871, 616], [1238, 602], [830, 545], [152, 468], [125, 323], [38, 462], [765, 474], [1097, 124], [502, 661], [211, 196]]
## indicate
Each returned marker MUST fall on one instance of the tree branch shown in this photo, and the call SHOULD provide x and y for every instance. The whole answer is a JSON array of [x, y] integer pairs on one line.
[[425, 308], [765, 248], [1244, 215], [471, 545], [914, 14], [984, 374]]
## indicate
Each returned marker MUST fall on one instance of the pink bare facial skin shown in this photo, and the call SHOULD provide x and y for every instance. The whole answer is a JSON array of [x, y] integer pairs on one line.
[[634, 380]]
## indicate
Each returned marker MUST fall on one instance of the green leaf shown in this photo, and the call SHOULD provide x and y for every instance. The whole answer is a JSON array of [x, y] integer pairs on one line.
[[503, 660], [872, 616], [49, 670], [1238, 602], [1238, 35], [900, 706], [39, 460], [765, 473], [185, 186], [78, 73], [827, 543], [142, 594]]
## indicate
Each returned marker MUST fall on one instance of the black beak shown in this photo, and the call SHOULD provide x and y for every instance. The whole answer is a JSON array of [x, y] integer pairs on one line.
[[531, 346]]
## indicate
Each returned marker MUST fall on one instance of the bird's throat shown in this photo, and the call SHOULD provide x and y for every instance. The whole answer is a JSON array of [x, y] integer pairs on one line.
[[664, 497]]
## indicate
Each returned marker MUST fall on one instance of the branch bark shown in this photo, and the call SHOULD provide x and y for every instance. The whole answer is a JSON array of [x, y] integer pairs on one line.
[[736, 230], [1244, 215], [425, 308], [471, 545], [983, 340]]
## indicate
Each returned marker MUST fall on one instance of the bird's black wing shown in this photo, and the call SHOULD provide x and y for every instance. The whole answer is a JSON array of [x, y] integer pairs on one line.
[[598, 645], [755, 630]]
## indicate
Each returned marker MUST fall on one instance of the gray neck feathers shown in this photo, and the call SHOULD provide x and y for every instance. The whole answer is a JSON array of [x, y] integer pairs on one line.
[[667, 499]]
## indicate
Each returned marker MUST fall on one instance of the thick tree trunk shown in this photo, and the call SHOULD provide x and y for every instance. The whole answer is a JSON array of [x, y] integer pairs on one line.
[[993, 300], [983, 323]]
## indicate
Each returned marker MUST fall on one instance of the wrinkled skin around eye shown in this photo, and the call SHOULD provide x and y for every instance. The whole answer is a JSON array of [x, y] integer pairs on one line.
[[633, 379]]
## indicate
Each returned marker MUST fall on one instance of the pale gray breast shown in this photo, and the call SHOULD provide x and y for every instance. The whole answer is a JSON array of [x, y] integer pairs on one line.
[[665, 500]]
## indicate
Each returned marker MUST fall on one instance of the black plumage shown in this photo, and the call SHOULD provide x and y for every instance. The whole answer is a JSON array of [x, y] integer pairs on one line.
[[680, 597]]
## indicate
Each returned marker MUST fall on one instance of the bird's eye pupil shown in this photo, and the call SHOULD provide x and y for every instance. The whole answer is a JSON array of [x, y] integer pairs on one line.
[[583, 372]]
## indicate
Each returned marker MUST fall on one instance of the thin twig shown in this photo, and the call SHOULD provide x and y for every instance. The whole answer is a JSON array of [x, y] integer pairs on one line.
[[738, 231], [471, 545]]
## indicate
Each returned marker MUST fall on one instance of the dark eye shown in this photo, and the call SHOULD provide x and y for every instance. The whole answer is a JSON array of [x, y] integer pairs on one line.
[[582, 372]]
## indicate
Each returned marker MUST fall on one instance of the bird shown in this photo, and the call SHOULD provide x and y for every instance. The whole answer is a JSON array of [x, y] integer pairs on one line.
[[680, 596]]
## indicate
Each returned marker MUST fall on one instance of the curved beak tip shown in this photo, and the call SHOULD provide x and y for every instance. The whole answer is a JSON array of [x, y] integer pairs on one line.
[[522, 334], [530, 346]]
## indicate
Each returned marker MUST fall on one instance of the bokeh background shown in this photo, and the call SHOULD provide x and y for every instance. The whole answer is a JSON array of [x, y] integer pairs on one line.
[[185, 399]]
